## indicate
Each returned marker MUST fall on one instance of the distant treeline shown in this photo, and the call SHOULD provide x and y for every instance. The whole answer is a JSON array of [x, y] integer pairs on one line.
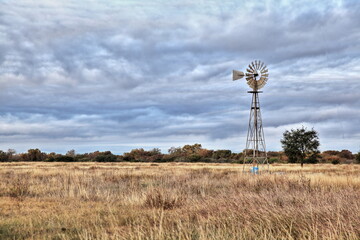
[[187, 153]]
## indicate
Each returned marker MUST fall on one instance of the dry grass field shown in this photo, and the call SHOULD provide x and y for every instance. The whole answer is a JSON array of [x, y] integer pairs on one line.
[[178, 201]]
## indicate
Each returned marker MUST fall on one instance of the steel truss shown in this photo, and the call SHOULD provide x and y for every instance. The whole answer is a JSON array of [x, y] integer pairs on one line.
[[255, 151]]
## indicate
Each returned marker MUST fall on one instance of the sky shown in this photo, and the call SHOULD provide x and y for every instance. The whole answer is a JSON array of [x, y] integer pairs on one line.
[[117, 75]]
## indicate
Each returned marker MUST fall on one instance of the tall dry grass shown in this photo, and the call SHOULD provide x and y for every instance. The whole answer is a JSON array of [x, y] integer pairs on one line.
[[177, 201]]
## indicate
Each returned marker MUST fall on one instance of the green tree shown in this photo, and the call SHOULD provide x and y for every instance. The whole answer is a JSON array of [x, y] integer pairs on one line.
[[221, 154], [62, 158], [299, 144], [11, 153], [71, 153], [4, 157], [192, 149], [106, 156], [357, 158], [34, 155], [346, 154]]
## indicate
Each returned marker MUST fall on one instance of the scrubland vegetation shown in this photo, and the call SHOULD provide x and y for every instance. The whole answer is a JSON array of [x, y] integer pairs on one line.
[[187, 153], [40, 200]]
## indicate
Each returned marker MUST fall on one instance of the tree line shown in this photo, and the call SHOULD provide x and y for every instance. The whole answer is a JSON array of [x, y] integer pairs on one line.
[[299, 146], [187, 153]]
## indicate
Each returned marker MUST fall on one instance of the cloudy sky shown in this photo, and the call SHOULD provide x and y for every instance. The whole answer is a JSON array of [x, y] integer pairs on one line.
[[116, 75]]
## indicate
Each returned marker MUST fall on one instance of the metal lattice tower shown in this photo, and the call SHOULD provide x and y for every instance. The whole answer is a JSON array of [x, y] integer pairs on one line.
[[255, 151]]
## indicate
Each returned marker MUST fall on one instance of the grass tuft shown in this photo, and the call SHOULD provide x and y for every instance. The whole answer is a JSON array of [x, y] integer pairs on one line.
[[164, 200]]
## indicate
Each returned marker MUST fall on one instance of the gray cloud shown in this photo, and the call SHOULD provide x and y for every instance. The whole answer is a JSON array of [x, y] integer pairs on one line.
[[118, 75]]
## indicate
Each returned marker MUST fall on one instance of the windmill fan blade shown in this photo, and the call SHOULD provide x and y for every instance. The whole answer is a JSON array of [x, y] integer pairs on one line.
[[262, 65], [264, 71], [259, 86], [249, 71], [252, 64], [264, 68], [265, 75], [262, 82], [248, 78], [251, 67], [251, 82]]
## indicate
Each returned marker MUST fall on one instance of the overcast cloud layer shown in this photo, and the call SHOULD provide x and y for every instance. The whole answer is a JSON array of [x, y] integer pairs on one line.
[[115, 75]]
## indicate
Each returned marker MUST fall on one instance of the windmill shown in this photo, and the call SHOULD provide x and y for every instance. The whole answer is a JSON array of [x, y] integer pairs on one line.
[[255, 151]]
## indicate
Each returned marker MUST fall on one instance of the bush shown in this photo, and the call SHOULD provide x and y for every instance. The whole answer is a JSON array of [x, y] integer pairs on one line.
[[273, 160], [331, 159], [34, 155], [194, 158], [335, 161], [221, 154], [82, 158], [357, 157], [4, 157], [64, 159], [141, 155], [346, 154], [313, 158], [331, 152], [168, 158], [106, 157], [50, 159]]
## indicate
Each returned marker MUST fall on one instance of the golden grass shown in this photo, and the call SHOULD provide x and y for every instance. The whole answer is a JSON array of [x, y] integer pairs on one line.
[[178, 201]]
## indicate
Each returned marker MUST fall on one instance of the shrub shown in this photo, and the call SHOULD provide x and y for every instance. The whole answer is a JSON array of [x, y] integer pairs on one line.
[[357, 157], [333, 158], [221, 154], [64, 159], [4, 157], [106, 157], [34, 155], [194, 158], [313, 158], [335, 161], [273, 160], [346, 154]]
